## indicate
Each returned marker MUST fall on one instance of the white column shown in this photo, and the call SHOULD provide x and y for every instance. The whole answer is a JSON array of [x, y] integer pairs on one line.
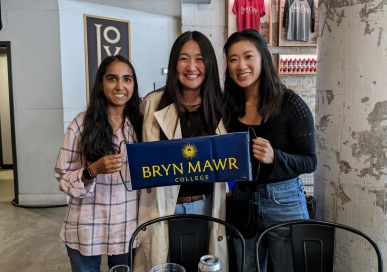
[[351, 120]]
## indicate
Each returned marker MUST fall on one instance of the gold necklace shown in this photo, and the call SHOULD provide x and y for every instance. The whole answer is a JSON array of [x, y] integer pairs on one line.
[[116, 122], [191, 108]]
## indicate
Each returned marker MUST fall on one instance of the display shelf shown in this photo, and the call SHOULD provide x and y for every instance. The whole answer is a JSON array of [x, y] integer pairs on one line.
[[297, 64]]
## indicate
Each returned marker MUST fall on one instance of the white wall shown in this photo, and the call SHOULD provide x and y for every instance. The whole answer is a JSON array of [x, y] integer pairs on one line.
[[5, 121], [151, 38], [210, 19], [49, 78], [48, 63], [32, 27]]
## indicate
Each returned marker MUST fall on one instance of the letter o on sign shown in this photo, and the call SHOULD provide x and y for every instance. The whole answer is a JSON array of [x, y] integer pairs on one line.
[[115, 30]]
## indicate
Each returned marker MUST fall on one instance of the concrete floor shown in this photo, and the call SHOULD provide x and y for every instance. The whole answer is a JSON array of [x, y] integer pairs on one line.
[[29, 238]]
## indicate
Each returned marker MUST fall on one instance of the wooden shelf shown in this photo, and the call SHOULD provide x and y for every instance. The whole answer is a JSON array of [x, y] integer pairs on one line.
[[298, 73]]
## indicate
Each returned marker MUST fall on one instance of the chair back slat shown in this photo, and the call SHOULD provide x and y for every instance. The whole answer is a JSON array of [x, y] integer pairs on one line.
[[188, 241], [312, 247], [184, 230], [313, 244]]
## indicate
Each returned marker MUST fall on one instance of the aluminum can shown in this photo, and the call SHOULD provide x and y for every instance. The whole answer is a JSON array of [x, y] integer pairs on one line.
[[209, 263]]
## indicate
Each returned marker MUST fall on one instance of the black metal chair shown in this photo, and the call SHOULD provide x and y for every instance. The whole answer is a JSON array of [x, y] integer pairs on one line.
[[313, 244], [188, 238]]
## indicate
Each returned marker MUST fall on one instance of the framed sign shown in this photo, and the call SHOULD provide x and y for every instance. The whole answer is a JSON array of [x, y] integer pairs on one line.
[[298, 23], [265, 20], [103, 37]]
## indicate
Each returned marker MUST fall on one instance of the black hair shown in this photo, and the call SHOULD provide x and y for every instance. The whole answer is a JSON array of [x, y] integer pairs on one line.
[[210, 91], [271, 90], [96, 138]]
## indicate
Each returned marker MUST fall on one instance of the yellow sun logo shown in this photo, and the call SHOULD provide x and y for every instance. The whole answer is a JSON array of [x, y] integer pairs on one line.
[[189, 151]]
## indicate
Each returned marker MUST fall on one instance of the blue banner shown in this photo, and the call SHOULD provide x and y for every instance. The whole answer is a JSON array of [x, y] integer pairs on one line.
[[218, 158]]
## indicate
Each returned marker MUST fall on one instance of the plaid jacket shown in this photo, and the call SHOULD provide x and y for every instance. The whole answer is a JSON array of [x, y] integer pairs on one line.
[[101, 216]]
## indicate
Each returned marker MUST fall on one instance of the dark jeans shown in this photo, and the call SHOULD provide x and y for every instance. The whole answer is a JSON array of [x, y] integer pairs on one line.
[[277, 202], [81, 263]]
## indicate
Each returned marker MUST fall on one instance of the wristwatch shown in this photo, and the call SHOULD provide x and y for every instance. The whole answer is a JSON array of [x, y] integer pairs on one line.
[[87, 173]]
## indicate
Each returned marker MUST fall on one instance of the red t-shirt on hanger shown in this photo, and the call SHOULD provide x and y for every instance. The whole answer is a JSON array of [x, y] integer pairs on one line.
[[249, 13]]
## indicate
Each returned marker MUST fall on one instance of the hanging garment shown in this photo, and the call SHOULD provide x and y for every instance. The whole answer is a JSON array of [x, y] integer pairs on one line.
[[299, 19], [249, 13]]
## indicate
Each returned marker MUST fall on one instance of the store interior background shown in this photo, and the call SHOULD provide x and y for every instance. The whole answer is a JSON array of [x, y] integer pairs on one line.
[[49, 74], [48, 90]]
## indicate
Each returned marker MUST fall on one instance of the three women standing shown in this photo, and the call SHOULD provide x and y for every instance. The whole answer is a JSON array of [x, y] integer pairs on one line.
[[102, 214]]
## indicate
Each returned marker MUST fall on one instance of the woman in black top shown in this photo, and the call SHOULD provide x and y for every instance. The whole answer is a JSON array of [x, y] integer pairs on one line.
[[285, 144]]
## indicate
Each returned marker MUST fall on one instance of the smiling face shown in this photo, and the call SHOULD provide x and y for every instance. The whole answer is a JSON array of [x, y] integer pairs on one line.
[[244, 63], [118, 84], [190, 68]]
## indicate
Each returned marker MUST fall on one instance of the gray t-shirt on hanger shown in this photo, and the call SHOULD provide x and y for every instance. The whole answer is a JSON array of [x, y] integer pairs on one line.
[[299, 21]]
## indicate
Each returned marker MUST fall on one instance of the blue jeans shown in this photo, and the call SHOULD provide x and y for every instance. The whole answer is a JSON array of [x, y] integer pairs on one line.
[[277, 202], [203, 207], [81, 263]]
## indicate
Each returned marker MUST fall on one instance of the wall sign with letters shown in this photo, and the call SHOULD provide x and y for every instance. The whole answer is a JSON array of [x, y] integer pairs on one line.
[[103, 37]]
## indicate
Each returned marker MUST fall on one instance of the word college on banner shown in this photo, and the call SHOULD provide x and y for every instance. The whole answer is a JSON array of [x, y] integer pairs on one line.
[[103, 37], [218, 158]]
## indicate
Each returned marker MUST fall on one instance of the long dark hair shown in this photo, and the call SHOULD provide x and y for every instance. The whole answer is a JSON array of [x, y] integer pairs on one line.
[[97, 136], [210, 91], [271, 90]]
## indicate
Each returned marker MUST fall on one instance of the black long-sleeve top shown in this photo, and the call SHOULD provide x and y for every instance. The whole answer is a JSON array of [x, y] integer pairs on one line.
[[292, 136]]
